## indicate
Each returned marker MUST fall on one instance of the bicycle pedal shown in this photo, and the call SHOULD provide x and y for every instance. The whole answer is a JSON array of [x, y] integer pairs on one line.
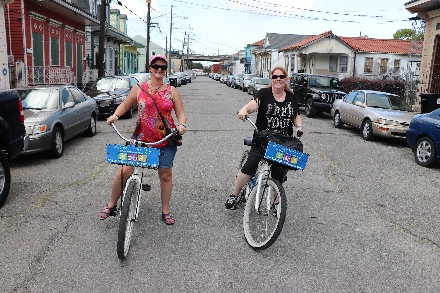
[[113, 213], [146, 187]]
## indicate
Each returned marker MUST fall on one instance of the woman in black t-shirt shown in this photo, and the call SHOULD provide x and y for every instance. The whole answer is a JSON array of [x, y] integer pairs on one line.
[[278, 110]]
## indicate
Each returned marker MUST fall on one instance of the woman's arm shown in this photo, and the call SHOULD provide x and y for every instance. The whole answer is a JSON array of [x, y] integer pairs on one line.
[[298, 123], [129, 101], [249, 108], [180, 112]]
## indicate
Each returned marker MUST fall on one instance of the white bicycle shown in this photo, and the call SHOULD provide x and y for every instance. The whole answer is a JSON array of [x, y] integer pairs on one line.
[[138, 154], [265, 197]]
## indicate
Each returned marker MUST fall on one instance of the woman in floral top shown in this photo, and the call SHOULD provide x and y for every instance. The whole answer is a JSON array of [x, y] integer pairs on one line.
[[150, 128]]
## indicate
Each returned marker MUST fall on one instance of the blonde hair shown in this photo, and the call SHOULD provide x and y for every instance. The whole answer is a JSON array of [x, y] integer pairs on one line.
[[286, 85]]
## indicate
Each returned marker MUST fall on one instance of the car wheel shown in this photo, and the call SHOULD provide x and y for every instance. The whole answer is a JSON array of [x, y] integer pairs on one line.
[[5, 178], [91, 130], [367, 130], [337, 120], [57, 148], [310, 109], [129, 113], [424, 152]]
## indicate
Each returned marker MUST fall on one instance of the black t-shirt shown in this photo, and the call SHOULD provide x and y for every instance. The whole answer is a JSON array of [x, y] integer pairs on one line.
[[276, 116]]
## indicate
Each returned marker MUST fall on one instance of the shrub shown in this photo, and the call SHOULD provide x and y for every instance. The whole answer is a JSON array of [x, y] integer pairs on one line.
[[390, 86]]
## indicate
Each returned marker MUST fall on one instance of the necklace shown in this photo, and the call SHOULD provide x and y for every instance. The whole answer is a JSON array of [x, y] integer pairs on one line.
[[157, 87], [280, 98]]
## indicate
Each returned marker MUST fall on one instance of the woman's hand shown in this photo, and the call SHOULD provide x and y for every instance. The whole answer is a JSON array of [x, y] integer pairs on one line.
[[181, 128], [242, 114], [112, 119]]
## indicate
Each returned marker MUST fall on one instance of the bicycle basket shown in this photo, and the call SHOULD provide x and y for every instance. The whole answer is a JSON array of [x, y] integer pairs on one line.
[[133, 156], [284, 150]]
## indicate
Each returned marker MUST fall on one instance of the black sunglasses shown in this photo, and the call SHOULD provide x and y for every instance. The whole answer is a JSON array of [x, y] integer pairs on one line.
[[282, 76], [157, 66]]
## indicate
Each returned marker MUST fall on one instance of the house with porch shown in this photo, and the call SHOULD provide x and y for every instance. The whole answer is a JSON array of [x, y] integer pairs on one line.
[[46, 41], [268, 56], [328, 54]]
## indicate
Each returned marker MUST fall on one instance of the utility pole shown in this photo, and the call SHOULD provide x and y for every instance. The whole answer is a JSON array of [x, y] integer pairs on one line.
[[102, 38], [166, 46], [171, 29], [148, 36], [187, 53]]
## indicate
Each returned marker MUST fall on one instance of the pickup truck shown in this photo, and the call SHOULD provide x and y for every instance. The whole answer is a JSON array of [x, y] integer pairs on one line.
[[13, 137]]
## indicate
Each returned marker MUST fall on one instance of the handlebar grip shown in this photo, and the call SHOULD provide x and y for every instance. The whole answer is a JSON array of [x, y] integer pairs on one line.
[[299, 133]]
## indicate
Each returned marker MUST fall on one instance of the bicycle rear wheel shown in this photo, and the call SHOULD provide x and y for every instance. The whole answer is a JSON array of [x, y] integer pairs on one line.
[[263, 225], [128, 217]]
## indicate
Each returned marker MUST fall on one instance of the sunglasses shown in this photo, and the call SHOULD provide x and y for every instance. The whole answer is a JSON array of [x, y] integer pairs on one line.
[[282, 76], [157, 66]]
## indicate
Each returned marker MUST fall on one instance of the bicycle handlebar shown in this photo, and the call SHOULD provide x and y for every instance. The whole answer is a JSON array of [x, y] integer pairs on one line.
[[139, 142], [299, 133]]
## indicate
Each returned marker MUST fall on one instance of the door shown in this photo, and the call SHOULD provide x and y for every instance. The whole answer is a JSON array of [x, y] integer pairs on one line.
[[82, 107], [37, 58], [69, 115]]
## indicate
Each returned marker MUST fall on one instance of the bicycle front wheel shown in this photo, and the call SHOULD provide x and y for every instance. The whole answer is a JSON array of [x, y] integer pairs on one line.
[[262, 220], [128, 216]]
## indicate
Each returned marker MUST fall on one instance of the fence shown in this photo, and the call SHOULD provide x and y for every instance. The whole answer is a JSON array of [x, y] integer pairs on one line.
[[50, 75]]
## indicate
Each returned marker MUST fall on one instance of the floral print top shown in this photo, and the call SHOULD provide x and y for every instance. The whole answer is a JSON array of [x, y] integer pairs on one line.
[[149, 126]]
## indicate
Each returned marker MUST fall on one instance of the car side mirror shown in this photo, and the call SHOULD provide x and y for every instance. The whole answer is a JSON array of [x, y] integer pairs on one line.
[[69, 105]]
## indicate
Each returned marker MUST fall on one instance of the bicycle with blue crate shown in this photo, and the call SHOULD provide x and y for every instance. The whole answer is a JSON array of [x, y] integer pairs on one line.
[[139, 155], [262, 219]]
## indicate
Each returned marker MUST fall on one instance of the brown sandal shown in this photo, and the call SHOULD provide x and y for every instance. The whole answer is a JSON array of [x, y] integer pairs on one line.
[[168, 219]]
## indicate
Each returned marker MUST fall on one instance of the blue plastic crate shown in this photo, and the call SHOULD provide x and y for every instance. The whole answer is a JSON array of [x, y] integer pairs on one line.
[[133, 155], [289, 157]]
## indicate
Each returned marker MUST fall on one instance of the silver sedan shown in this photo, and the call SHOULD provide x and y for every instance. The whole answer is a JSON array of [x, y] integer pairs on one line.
[[375, 113], [54, 114]]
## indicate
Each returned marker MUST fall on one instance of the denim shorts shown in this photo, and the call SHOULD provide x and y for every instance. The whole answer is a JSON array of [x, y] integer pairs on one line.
[[167, 155]]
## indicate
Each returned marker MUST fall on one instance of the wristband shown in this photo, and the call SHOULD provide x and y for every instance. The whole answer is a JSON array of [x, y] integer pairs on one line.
[[116, 115], [181, 124]]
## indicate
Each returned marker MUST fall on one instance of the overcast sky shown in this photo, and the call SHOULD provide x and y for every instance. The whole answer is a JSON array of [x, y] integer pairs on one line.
[[227, 26]]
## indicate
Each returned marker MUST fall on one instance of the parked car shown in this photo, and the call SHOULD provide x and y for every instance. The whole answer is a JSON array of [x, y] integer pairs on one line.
[[316, 92], [244, 81], [55, 113], [177, 82], [182, 77], [235, 82], [110, 92], [375, 113], [229, 80], [423, 136], [188, 77], [13, 137], [256, 84], [142, 76]]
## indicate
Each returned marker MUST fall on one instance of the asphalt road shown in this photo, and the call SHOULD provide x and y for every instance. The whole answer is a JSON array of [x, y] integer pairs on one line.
[[362, 216]]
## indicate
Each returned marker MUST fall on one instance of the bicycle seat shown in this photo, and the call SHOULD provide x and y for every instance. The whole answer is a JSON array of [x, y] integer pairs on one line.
[[248, 141]]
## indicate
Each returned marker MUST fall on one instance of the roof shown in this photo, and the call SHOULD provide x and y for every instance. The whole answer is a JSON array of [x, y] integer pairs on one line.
[[278, 41], [307, 41], [258, 43], [370, 45]]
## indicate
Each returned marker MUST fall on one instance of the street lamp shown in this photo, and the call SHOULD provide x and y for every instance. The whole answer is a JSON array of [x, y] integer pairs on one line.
[[148, 36]]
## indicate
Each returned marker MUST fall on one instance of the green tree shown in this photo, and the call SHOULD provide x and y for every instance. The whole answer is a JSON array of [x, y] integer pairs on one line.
[[409, 34]]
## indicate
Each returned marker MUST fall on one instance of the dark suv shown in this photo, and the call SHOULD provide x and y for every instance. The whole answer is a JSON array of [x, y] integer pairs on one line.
[[316, 92]]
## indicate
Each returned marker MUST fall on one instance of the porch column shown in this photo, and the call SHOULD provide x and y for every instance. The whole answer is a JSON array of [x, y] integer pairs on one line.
[[296, 63], [289, 64]]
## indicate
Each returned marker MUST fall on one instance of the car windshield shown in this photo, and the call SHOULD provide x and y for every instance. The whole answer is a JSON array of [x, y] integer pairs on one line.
[[109, 84], [385, 101], [248, 76], [39, 99], [142, 77], [264, 81], [324, 82]]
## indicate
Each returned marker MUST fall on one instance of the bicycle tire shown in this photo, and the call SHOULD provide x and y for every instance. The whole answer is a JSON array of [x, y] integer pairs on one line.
[[262, 228], [127, 219]]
